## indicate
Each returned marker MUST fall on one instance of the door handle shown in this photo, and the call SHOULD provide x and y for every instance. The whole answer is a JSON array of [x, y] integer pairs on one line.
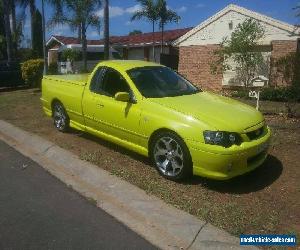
[[100, 105]]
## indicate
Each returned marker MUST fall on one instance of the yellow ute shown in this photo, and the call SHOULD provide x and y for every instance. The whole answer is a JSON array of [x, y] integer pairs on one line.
[[150, 109]]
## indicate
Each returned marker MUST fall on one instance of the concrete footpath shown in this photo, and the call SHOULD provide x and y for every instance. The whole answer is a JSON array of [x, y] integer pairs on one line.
[[159, 223]]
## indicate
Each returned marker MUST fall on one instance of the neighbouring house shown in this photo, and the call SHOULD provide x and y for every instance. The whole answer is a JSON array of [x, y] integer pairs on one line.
[[196, 48], [137, 46]]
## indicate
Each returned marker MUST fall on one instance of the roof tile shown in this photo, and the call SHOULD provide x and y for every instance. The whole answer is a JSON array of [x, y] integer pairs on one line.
[[144, 38]]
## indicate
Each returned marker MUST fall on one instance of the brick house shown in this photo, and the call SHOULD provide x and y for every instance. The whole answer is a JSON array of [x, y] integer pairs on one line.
[[137, 46], [196, 47]]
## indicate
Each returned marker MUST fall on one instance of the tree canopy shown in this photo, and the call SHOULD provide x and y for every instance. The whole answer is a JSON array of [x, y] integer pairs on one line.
[[242, 48], [77, 14]]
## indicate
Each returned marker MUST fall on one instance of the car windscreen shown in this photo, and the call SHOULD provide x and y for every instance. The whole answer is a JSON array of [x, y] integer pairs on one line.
[[158, 81]]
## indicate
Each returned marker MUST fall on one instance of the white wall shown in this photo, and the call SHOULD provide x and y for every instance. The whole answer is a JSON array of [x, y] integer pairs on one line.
[[230, 76], [138, 53], [217, 30]]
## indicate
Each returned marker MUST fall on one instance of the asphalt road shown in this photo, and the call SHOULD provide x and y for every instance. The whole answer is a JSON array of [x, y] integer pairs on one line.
[[37, 211]]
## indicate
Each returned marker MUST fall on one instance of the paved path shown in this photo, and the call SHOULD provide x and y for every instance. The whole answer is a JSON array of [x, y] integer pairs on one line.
[[37, 211]]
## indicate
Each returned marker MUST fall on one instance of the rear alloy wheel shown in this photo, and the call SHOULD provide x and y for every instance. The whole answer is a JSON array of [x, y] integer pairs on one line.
[[171, 156], [60, 118]]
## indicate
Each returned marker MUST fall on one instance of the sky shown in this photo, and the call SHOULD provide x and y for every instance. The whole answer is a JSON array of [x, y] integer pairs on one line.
[[192, 13]]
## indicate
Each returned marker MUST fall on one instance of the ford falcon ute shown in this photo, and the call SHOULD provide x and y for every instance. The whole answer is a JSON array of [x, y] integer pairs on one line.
[[154, 111]]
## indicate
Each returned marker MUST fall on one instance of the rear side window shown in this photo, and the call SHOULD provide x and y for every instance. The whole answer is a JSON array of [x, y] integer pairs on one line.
[[96, 83], [113, 82]]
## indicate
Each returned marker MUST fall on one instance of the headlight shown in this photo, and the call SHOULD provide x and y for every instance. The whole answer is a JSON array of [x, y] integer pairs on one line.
[[225, 139]]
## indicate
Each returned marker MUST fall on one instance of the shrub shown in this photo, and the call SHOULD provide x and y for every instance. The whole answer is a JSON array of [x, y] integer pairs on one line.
[[240, 93], [52, 69], [286, 94], [32, 72], [25, 54]]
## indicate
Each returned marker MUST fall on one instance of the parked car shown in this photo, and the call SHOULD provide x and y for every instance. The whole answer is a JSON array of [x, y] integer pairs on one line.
[[152, 110], [10, 74]]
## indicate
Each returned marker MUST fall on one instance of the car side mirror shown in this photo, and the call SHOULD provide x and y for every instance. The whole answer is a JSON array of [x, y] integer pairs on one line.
[[122, 96]]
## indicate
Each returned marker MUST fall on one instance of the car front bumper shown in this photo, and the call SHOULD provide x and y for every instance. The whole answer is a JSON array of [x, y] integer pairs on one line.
[[221, 163]]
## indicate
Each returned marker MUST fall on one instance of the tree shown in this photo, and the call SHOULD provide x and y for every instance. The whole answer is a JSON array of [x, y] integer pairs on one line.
[[149, 11], [106, 29], [242, 48], [165, 16], [37, 42], [14, 25], [70, 55], [2, 34], [80, 13], [32, 9], [135, 32], [8, 37]]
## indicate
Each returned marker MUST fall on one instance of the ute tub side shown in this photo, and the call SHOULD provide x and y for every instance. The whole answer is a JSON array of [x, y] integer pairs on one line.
[[67, 89]]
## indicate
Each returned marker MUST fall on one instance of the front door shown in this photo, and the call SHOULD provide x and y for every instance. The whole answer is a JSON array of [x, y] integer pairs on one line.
[[116, 118]]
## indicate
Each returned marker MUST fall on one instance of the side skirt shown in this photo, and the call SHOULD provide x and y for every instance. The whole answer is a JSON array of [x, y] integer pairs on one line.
[[129, 145]]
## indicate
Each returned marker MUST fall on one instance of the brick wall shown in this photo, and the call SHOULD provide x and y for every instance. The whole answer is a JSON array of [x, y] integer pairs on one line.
[[280, 49], [194, 64]]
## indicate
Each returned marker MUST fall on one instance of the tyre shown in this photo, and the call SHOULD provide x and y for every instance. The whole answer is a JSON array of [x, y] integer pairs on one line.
[[60, 117], [171, 156]]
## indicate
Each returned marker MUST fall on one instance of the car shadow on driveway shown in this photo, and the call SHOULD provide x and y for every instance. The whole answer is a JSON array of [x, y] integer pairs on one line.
[[256, 180]]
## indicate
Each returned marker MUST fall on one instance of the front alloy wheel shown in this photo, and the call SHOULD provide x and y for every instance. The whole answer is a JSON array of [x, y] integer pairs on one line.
[[171, 157]]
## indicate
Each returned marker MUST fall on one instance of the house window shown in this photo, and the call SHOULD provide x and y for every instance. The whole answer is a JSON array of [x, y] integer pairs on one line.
[[230, 25]]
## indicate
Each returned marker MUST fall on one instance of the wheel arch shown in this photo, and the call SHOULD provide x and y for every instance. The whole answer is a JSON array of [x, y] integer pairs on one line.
[[159, 131], [55, 100], [188, 171]]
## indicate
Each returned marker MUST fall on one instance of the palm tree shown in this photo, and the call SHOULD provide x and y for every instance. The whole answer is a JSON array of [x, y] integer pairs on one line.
[[149, 11], [44, 40], [32, 9], [80, 13], [8, 37], [106, 29], [14, 24], [165, 16]]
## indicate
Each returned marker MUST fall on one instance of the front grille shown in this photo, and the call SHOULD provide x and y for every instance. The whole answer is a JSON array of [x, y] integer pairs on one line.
[[255, 134]]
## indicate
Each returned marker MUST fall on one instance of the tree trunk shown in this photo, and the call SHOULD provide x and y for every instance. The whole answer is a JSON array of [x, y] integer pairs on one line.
[[106, 29], [14, 25], [79, 33], [162, 39], [84, 46], [7, 30], [153, 45], [32, 17], [44, 41]]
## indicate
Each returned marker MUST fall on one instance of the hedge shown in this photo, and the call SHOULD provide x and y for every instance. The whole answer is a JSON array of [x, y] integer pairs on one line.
[[283, 94], [32, 72]]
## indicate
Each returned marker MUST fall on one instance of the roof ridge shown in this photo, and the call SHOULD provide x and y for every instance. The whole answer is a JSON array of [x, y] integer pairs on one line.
[[118, 36], [242, 10]]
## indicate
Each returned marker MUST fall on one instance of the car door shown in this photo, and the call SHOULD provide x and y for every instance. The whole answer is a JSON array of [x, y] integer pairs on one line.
[[116, 118]]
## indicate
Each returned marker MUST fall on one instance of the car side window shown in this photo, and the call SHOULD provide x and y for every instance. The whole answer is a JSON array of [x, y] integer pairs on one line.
[[97, 80], [114, 82]]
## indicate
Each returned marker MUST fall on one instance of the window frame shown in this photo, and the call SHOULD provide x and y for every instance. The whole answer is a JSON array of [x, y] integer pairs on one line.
[[102, 71], [101, 90]]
